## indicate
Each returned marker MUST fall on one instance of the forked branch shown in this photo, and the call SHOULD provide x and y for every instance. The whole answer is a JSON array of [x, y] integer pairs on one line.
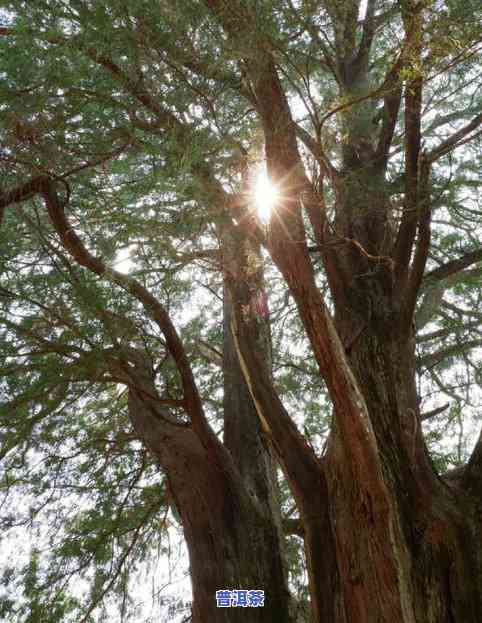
[[153, 307]]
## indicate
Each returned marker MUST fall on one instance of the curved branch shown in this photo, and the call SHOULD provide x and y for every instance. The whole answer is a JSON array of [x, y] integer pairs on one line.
[[456, 140], [454, 266], [437, 281], [153, 307], [433, 359], [21, 193]]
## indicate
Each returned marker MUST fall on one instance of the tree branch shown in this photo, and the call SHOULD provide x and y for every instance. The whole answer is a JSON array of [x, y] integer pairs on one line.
[[423, 242], [282, 155], [369, 26], [427, 415], [433, 359], [21, 193], [314, 34], [443, 333], [165, 118], [435, 284], [210, 353], [153, 307], [454, 266], [391, 106], [317, 151], [456, 140], [462, 312], [413, 113], [428, 306]]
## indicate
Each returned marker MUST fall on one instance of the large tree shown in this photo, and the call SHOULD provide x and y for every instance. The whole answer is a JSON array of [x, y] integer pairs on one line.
[[137, 125]]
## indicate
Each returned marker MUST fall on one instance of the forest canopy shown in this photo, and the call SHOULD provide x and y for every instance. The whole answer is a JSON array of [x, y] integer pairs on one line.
[[240, 298]]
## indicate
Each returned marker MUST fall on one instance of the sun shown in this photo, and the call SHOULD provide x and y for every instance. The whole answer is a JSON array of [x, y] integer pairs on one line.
[[124, 262], [265, 195]]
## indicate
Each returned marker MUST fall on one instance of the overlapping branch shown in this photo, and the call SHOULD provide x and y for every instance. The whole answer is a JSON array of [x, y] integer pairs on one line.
[[458, 138], [433, 359], [453, 267], [153, 307], [21, 193]]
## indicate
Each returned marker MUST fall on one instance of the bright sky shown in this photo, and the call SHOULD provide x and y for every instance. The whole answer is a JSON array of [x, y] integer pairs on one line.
[[265, 195]]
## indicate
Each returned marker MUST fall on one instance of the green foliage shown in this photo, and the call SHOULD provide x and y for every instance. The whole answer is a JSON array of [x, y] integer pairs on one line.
[[129, 147]]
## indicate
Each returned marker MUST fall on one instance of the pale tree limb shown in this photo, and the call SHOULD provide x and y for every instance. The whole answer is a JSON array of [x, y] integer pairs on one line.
[[210, 353], [430, 303], [454, 266], [456, 140], [433, 359]]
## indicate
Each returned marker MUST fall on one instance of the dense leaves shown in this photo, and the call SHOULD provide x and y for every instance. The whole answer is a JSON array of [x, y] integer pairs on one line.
[[145, 116]]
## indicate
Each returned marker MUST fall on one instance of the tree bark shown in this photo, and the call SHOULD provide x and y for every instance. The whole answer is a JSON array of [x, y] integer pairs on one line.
[[231, 522], [245, 284], [400, 535], [386, 539], [225, 496], [230, 541], [437, 523], [232, 529]]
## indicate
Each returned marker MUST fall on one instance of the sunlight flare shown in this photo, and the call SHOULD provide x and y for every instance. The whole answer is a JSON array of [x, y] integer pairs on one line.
[[265, 194]]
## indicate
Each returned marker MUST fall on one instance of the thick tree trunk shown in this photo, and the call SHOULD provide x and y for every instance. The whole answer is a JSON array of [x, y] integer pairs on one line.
[[400, 534], [249, 328], [432, 546], [433, 524], [243, 434], [231, 529], [230, 524], [441, 527]]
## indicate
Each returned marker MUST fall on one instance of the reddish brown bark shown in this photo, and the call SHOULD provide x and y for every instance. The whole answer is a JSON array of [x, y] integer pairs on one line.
[[232, 540], [386, 540], [394, 532], [301, 467], [225, 494]]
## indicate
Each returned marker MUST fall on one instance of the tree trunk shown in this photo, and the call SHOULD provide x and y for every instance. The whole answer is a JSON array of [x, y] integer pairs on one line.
[[405, 544], [249, 327], [232, 529], [227, 506], [440, 526]]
